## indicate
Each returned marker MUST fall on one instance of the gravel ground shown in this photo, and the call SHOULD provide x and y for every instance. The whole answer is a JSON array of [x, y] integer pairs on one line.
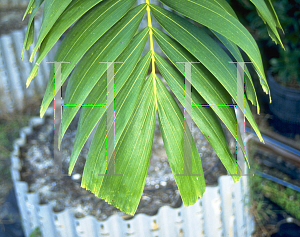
[[160, 188]]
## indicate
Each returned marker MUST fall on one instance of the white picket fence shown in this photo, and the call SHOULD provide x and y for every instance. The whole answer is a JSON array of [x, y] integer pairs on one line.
[[14, 72], [13, 3], [223, 210]]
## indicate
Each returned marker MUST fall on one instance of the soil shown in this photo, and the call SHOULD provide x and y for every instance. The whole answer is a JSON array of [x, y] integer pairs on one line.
[[160, 188]]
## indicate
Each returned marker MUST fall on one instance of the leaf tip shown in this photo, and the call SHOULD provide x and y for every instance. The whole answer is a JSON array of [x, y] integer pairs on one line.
[[258, 109], [42, 111], [32, 55], [71, 167], [83, 185], [59, 141]]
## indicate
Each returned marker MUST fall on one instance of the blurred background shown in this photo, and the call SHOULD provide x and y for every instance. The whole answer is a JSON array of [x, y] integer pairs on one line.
[[279, 121]]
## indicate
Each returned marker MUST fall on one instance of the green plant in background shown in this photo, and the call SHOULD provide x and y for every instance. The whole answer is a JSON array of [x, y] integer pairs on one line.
[[36, 233], [284, 64], [108, 31], [261, 210], [287, 66], [287, 198], [9, 130]]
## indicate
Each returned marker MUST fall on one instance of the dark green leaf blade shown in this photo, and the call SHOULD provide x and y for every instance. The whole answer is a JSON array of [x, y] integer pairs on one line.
[[172, 129], [77, 42], [89, 116], [89, 70], [207, 51], [274, 15], [249, 86], [72, 13], [219, 20], [132, 157], [52, 11], [203, 81], [268, 15], [204, 117], [29, 36]]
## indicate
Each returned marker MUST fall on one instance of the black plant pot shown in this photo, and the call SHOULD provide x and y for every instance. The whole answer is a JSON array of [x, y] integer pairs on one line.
[[285, 108]]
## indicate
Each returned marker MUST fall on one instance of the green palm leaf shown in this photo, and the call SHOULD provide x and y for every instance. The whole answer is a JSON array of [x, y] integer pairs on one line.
[[125, 106], [98, 21], [30, 28], [107, 48], [203, 47], [132, 154], [89, 116], [52, 10], [48, 37], [249, 86], [267, 13], [30, 7], [225, 5], [203, 81], [205, 118], [107, 31], [172, 130], [219, 20]]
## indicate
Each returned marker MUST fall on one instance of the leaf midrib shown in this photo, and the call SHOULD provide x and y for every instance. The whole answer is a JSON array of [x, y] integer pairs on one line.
[[117, 92], [204, 47]]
